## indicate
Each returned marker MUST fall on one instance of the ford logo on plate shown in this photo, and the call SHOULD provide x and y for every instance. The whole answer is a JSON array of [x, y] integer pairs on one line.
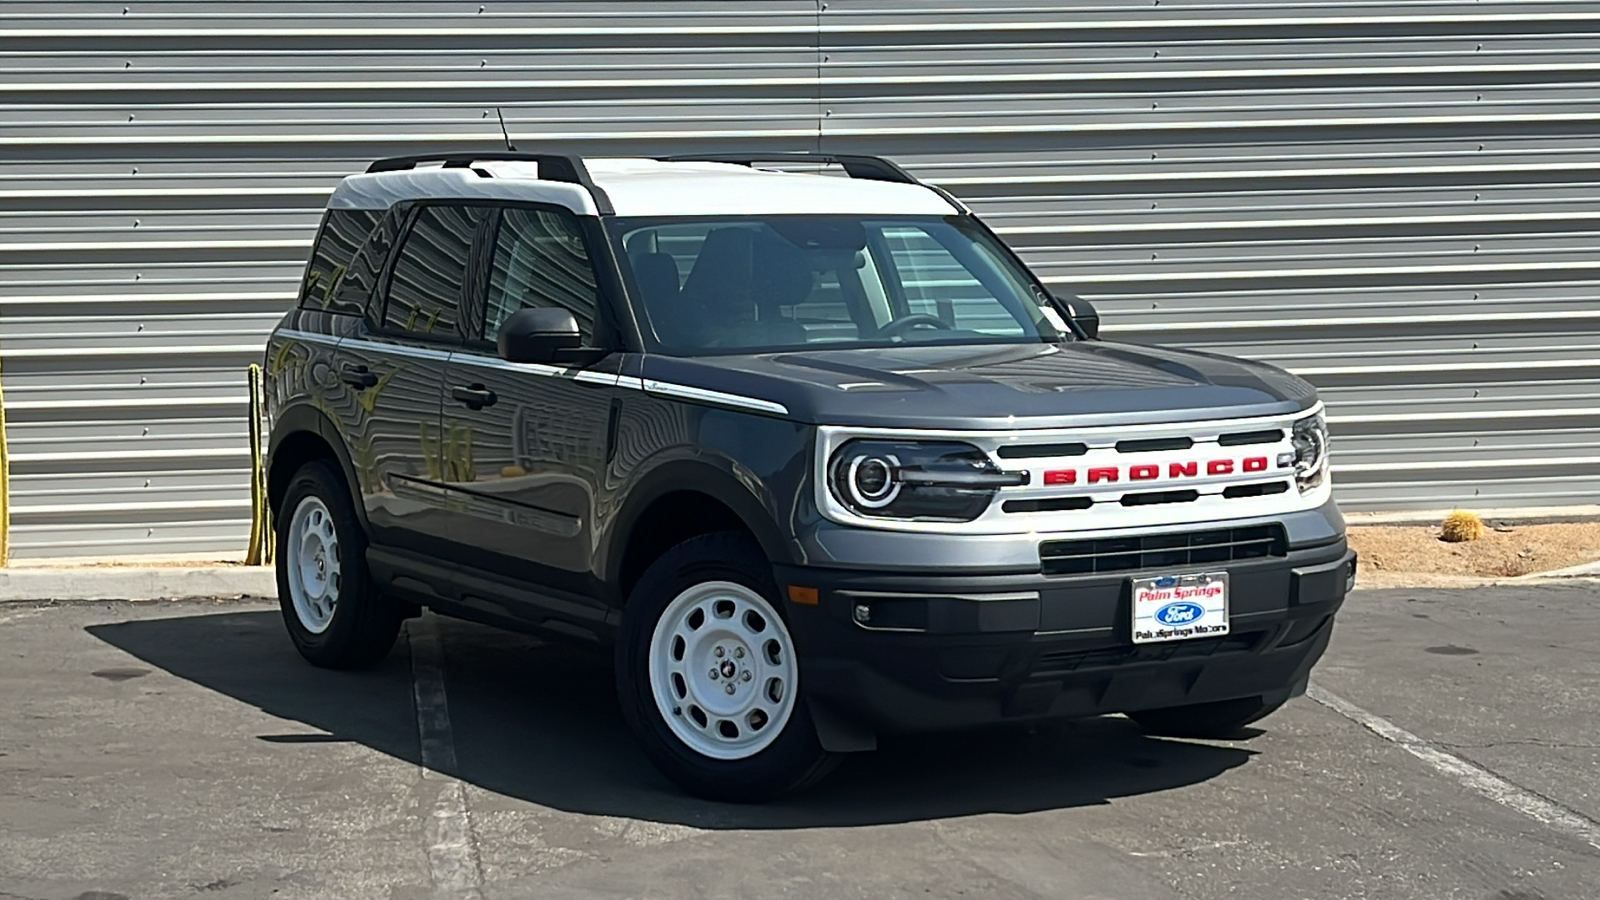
[[1181, 613]]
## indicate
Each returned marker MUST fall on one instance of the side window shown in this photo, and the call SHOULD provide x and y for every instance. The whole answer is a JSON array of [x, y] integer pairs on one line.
[[356, 288], [430, 271], [540, 260], [342, 233]]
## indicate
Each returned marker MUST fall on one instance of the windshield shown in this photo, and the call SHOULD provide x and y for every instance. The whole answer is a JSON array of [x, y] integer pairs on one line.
[[754, 284]]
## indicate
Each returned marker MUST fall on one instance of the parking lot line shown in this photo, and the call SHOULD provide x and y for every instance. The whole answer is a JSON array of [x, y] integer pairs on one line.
[[1479, 779], [453, 861]]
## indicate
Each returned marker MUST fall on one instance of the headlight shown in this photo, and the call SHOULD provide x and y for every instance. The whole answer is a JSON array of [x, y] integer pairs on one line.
[[946, 481], [1310, 440]]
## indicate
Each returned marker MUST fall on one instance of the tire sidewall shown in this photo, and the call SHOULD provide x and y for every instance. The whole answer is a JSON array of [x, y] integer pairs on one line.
[[791, 759], [327, 647]]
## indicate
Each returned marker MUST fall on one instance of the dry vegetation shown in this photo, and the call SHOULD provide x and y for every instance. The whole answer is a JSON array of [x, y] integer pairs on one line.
[[1503, 551]]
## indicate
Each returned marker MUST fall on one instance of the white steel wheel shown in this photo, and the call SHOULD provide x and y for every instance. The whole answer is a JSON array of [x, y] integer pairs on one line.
[[722, 670], [312, 555]]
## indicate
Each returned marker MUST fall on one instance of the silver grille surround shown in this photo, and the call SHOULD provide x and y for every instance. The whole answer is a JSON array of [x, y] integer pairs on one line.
[[1108, 512]]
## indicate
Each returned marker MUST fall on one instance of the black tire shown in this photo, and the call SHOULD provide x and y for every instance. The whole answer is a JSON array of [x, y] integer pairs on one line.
[[793, 760], [363, 625], [1217, 720]]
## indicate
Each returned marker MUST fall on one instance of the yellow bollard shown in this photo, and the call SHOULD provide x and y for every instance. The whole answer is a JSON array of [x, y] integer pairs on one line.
[[260, 551]]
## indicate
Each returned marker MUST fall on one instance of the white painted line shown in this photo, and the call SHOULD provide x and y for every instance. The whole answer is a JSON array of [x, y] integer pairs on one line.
[[453, 862], [1541, 809], [452, 847], [433, 707]]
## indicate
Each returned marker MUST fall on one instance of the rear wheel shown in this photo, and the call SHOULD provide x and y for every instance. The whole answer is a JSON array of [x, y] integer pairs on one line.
[[334, 616], [1220, 719], [707, 674]]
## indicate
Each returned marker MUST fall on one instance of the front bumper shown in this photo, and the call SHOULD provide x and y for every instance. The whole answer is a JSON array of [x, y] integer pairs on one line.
[[937, 652]]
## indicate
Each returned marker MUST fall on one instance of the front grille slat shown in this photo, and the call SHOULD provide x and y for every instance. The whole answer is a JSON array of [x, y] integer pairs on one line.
[[1151, 445], [1245, 438], [1126, 554], [1041, 451], [1151, 498]]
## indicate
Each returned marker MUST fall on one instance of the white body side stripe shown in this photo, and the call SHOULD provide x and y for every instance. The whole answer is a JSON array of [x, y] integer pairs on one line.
[[650, 386]]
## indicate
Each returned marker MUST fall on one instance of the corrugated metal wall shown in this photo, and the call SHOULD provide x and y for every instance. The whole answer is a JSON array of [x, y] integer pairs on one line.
[[1398, 200]]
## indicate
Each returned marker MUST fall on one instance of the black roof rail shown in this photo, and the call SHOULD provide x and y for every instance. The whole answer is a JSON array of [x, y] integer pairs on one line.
[[563, 167], [871, 168]]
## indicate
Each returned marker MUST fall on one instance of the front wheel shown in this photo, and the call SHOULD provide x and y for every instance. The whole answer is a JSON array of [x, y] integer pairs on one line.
[[1217, 720], [707, 674], [335, 617]]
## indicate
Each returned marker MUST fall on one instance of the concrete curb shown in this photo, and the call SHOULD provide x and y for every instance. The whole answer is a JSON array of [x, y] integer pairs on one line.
[[1582, 570], [135, 582], [1525, 515]]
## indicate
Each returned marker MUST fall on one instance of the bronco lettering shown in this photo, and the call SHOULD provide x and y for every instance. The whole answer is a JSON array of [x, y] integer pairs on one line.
[[1152, 472]]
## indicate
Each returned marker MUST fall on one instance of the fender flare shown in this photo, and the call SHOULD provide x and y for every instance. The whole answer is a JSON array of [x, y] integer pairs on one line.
[[302, 418], [701, 476]]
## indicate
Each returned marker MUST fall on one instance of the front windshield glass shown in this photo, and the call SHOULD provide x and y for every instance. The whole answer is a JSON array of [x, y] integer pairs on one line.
[[764, 283]]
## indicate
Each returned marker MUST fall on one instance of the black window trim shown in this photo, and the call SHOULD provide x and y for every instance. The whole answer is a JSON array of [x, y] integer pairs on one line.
[[393, 217]]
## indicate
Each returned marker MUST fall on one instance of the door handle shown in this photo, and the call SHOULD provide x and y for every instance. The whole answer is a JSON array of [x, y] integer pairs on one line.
[[357, 376], [475, 397]]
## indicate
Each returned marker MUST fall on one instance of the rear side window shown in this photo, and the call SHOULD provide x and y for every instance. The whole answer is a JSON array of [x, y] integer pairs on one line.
[[354, 291], [540, 260], [341, 234], [430, 272]]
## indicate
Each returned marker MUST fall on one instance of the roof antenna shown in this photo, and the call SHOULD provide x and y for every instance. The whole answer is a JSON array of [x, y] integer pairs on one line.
[[503, 133]]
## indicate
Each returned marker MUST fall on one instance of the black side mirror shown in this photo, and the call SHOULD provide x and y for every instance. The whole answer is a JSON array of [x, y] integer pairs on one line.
[[538, 335], [1082, 312]]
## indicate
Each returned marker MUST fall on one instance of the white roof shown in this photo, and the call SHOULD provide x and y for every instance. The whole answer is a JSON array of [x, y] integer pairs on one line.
[[648, 187]]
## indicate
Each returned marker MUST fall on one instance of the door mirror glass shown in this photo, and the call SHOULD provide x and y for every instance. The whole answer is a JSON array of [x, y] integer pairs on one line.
[[1082, 312], [538, 335]]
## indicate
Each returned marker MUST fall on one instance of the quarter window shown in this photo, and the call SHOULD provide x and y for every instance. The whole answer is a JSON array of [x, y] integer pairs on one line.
[[356, 288], [430, 273], [540, 260], [342, 233]]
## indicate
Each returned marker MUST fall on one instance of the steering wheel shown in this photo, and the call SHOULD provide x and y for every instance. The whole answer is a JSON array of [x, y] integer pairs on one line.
[[895, 327]]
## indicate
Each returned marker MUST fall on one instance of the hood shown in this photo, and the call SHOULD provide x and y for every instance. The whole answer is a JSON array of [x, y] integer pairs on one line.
[[997, 387]]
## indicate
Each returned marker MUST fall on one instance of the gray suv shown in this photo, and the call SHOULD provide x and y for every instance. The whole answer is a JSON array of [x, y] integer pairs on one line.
[[802, 441]]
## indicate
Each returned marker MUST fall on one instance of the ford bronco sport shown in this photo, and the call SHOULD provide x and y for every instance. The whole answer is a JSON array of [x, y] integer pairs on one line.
[[818, 457]]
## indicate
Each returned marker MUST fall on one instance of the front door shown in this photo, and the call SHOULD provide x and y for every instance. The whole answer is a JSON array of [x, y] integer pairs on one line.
[[538, 433]]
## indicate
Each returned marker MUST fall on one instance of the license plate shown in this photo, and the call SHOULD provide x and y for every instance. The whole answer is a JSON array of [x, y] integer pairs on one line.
[[1177, 607]]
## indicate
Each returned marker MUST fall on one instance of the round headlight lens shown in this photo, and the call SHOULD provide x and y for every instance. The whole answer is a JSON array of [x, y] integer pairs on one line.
[[871, 480]]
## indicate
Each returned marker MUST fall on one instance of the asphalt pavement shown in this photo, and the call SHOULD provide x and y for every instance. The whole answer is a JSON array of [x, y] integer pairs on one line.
[[182, 749]]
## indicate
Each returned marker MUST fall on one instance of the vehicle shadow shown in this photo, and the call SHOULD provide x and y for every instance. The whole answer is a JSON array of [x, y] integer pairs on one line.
[[540, 722]]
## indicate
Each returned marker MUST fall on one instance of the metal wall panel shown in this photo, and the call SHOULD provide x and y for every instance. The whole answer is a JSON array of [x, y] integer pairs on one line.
[[1399, 201]]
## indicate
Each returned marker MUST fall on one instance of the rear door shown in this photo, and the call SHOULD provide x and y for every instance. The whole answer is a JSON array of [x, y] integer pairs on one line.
[[538, 433], [396, 367]]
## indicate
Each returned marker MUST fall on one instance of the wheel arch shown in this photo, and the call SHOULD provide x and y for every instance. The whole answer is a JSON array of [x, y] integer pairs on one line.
[[300, 434], [677, 501]]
